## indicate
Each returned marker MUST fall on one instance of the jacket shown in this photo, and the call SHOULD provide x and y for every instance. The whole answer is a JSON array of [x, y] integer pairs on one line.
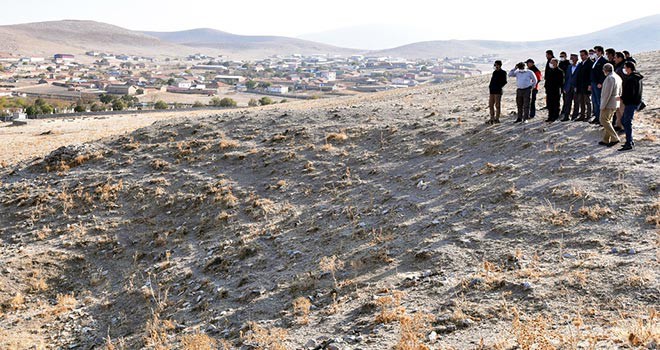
[[537, 72], [554, 80], [563, 65], [524, 78], [612, 86], [570, 77], [584, 77], [618, 69], [632, 89], [597, 75], [497, 82]]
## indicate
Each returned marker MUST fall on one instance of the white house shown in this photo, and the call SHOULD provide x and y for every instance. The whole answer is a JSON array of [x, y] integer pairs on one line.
[[277, 89], [184, 84], [328, 76]]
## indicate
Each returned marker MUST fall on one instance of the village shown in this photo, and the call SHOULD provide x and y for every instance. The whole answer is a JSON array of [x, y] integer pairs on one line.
[[99, 82]]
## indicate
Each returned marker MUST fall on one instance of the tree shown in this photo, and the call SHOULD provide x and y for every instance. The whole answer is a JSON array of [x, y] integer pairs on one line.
[[171, 81], [253, 103], [227, 102], [198, 104], [251, 84], [96, 108], [264, 85], [31, 111], [106, 98], [79, 109], [161, 105], [264, 101], [118, 105], [139, 91], [130, 101]]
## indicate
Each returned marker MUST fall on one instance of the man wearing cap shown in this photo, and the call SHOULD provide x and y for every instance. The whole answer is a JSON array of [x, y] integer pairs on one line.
[[609, 99], [525, 81], [570, 87], [535, 89], [497, 82]]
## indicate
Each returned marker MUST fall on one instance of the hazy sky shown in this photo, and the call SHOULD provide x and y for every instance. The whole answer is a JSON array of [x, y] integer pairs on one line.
[[459, 19]]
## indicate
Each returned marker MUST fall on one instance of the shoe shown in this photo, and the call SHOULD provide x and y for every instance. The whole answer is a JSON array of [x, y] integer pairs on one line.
[[524, 121], [603, 143], [489, 122], [531, 117], [595, 121], [626, 147], [612, 143], [496, 121], [518, 121]]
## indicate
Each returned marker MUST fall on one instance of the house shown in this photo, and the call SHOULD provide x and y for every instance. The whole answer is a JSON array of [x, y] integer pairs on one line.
[[62, 57], [185, 84], [230, 79], [121, 90], [277, 89], [328, 76]]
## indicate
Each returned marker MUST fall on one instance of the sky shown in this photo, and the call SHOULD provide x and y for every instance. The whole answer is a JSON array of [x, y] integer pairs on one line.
[[433, 20]]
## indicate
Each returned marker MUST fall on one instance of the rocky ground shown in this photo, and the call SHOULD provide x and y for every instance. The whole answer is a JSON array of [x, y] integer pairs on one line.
[[394, 220]]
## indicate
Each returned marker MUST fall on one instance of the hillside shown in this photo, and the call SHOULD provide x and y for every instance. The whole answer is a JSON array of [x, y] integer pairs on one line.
[[77, 37], [253, 47], [398, 214], [637, 36]]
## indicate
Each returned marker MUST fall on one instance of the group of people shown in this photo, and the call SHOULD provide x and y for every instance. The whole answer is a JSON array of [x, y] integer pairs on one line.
[[599, 86]]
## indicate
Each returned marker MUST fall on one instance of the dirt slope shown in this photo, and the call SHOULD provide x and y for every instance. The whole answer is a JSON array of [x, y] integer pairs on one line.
[[186, 231]]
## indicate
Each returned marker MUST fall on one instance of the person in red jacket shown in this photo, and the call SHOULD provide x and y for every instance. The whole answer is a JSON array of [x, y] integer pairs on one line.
[[535, 90]]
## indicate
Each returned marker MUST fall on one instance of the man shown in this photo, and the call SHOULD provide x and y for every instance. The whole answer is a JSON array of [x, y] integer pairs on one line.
[[631, 96], [563, 65], [554, 81], [583, 86], [535, 90], [570, 86], [619, 60], [610, 53], [610, 93], [629, 58], [548, 56], [597, 78], [525, 81], [497, 82]]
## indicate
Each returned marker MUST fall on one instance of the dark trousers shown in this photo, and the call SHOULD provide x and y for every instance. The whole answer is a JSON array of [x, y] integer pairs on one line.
[[523, 102], [570, 101], [532, 104], [553, 103], [626, 120], [584, 106], [595, 99]]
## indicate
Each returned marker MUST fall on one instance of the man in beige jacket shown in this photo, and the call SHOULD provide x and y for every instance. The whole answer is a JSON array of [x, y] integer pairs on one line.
[[609, 102]]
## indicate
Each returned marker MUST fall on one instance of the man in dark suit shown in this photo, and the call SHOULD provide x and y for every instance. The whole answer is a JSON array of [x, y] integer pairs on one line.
[[570, 86], [583, 86], [554, 81], [597, 78]]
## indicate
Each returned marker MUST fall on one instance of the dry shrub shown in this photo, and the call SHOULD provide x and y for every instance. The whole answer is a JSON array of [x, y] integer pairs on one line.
[[642, 331], [511, 191], [159, 164], [43, 233], [328, 147], [640, 276], [390, 307], [555, 216], [301, 307], [489, 168], [334, 136], [413, 331], [649, 138], [654, 218], [331, 264], [38, 284], [532, 334], [65, 303], [15, 303], [595, 213], [225, 144], [198, 341], [156, 333], [264, 338], [108, 191]]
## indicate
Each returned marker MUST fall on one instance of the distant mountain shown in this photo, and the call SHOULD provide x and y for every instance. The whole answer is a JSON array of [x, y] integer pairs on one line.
[[248, 46], [636, 36], [76, 37], [372, 36]]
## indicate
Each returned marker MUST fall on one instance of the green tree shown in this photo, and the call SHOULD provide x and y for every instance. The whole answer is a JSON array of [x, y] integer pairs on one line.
[[161, 105], [251, 84], [253, 103], [96, 108], [198, 104], [171, 81], [227, 102], [107, 99], [139, 91], [130, 101], [31, 111], [79, 109], [118, 105], [264, 85], [264, 101]]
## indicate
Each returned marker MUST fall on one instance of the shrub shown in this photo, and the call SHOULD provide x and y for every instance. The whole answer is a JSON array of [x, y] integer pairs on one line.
[[161, 105], [264, 101]]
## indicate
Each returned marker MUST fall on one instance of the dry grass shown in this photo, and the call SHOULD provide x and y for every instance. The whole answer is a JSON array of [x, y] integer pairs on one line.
[[654, 217], [532, 334], [413, 331], [15, 303], [301, 307], [65, 303], [641, 331], [390, 307], [198, 341], [331, 264], [227, 144], [265, 339], [334, 136], [595, 213]]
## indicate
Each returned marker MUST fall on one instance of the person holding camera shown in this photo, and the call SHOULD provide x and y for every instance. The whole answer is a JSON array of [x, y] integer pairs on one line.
[[525, 81]]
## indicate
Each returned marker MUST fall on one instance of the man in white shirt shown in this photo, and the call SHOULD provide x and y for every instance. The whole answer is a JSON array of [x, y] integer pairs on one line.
[[525, 81]]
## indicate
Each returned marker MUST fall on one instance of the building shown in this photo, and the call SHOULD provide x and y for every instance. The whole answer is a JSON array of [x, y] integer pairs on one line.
[[230, 79], [328, 76], [121, 90], [277, 89], [62, 57]]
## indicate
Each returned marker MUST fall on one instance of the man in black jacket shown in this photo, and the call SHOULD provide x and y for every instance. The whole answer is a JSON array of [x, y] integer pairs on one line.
[[632, 97], [597, 78], [554, 82], [583, 87], [497, 82], [532, 67], [563, 65], [628, 57]]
